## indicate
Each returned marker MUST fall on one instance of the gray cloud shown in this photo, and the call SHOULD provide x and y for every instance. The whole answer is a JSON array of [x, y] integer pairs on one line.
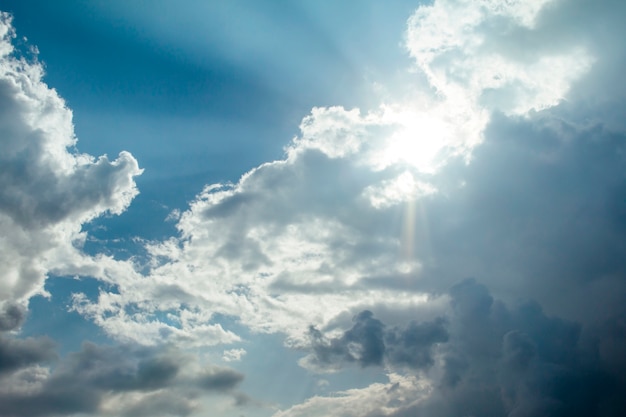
[[519, 362], [11, 316], [486, 357], [219, 379], [412, 345], [542, 209], [370, 343], [118, 368], [97, 379], [19, 353]]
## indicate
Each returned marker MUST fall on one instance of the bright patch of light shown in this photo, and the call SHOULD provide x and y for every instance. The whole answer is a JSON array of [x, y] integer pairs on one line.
[[403, 188], [419, 140]]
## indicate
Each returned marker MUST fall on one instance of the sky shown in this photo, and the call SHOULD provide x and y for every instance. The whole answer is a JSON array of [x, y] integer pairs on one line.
[[312, 208]]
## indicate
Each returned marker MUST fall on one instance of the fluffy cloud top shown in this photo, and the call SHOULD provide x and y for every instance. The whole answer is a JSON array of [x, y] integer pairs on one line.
[[47, 189]]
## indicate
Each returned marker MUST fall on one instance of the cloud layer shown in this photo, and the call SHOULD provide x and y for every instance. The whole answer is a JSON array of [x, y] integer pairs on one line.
[[105, 380]]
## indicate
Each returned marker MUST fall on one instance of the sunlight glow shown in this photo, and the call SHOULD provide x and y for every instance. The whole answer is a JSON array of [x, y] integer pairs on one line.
[[419, 140]]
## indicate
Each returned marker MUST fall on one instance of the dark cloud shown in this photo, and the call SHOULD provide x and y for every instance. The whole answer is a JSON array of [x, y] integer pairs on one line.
[[413, 345], [520, 362], [219, 379], [19, 353], [118, 368], [486, 358], [165, 382], [11, 316], [369, 342], [363, 343]]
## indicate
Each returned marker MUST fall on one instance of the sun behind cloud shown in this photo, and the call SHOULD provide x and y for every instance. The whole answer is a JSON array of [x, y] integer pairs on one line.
[[420, 140]]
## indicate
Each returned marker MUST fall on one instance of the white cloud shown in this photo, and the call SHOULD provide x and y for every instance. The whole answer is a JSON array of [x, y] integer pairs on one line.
[[377, 399], [400, 189], [233, 355], [492, 55], [47, 189], [331, 229]]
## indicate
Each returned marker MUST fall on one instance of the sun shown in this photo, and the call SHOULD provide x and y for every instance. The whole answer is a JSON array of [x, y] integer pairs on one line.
[[418, 139]]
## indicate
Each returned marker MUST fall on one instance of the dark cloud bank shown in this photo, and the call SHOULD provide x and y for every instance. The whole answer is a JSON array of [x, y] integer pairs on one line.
[[167, 381], [493, 360]]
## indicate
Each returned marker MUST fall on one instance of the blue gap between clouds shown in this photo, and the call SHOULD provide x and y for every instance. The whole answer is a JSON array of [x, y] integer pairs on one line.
[[50, 316]]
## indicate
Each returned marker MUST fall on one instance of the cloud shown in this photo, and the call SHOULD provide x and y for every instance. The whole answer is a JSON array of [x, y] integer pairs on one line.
[[376, 398], [11, 316], [106, 380], [369, 342], [537, 216], [489, 359], [497, 169], [47, 189], [518, 362], [494, 54], [220, 380], [353, 219], [233, 355], [275, 239], [18, 353]]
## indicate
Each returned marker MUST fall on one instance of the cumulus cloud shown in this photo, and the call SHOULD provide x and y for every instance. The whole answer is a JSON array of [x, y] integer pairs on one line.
[[352, 218], [275, 240], [47, 188], [369, 342], [494, 54]]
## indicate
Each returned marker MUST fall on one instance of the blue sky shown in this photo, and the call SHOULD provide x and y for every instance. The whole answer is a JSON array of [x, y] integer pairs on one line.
[[257, 208]]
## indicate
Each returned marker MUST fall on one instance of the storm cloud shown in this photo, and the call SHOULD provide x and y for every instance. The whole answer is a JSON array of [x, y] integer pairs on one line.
[[520, 362]]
